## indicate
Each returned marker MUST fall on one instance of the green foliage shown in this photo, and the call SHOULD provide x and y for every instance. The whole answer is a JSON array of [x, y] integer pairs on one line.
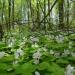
[[48, 64]]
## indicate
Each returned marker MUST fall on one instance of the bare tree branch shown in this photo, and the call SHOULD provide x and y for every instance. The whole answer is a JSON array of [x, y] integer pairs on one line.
[[49, 10]]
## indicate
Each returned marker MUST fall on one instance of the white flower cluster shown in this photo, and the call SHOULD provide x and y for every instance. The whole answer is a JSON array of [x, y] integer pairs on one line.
[[34, 39], [73, 54], [66, 52], [11, 42], [18, 53], [35, 45], [51, 36], [69, 70], [37, 73], [51, 52], [44, 49], [54, 53], [2, 54], [59, 38], [36, 56], [15, 62], [57, 54]]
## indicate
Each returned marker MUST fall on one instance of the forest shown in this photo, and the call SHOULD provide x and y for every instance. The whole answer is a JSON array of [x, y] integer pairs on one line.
[[37, 37]]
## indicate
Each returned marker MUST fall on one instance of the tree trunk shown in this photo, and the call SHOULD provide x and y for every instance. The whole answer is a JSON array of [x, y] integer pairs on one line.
[[1, 33], [73, 8], [61, 14]]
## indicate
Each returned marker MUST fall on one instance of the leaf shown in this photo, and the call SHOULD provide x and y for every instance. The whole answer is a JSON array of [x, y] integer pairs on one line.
[[7, 59], [27, 74], [43, 66], [3, 66], [27, 68], [57, 70], [62, 61]]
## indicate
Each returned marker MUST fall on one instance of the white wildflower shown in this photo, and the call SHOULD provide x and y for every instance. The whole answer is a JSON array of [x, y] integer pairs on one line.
[[2, 54], [59, 38], [37, 73], [51, 52], [66, 52], [51, 36], [36, 57], [57, 54], [18, 53], [63, 54], [34, 39], [73, 54], [69, 70], [36, 61], [15, 62], [35, 45], [11, 42]]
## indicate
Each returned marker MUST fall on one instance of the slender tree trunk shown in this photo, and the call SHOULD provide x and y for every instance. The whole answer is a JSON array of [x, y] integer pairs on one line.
[[49, 14], [67, 16], [61, 14], [32, 16], [2, 18], [44, 15], [12, 14], [9, 25], [1, 32], [73, 9], [38, 16]]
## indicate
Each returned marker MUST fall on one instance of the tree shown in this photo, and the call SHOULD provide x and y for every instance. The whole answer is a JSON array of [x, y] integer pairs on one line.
[[61, 13]]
